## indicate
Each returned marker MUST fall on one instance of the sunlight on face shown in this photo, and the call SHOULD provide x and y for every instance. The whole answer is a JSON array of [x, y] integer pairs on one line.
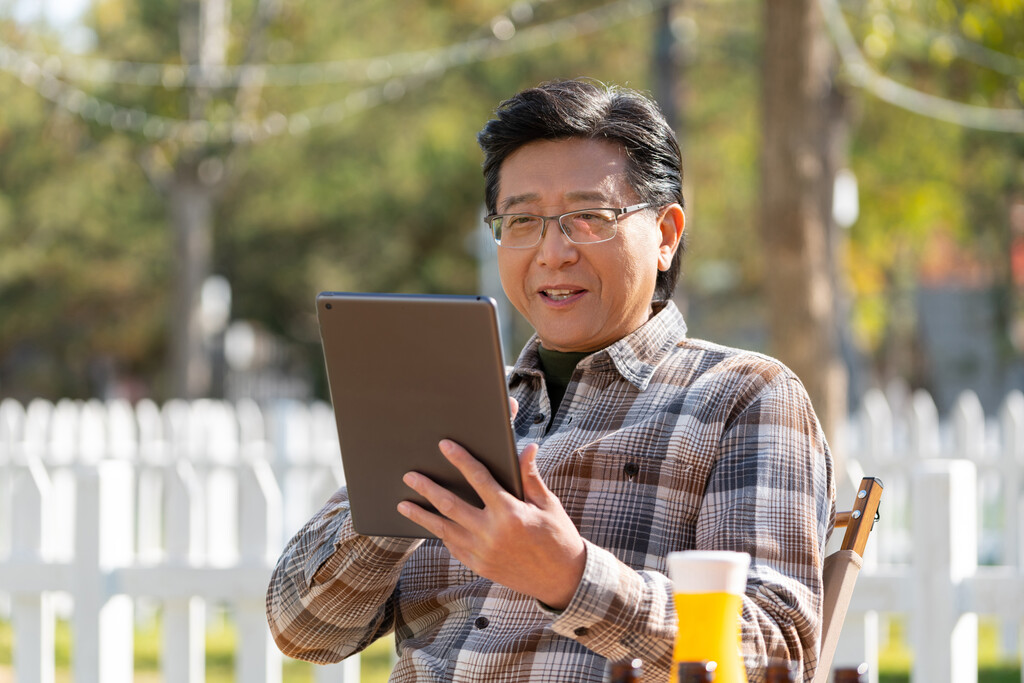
[[579, 297]]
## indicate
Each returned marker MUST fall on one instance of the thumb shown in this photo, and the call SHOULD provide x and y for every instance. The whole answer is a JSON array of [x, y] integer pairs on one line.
[[534, 489]]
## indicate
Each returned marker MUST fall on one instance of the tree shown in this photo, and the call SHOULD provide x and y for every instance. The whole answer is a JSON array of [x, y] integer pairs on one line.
[[372, 183], [939, 148], [796, 185], [349, 171]]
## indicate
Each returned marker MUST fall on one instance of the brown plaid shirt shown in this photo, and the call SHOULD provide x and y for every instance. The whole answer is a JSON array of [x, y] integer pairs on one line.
[[661, 443]]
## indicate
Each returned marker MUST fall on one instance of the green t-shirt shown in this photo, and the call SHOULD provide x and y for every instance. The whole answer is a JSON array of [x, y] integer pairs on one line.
[[558, 367]]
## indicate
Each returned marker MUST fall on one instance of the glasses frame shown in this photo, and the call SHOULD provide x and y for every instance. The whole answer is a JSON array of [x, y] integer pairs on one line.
[[616, 214]]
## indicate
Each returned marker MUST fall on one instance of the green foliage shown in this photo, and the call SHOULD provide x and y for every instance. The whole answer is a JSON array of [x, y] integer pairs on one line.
[[387, 198], [83, 251], [935, 197]]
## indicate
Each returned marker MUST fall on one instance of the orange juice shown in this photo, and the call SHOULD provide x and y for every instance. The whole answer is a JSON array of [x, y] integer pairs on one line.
[[708, 588], [709, 629]]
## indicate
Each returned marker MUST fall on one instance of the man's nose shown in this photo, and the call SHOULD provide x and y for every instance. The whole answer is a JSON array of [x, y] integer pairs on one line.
[[555, 246]]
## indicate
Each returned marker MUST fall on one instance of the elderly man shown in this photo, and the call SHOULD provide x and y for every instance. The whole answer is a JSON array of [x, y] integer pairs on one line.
[[635, 441]]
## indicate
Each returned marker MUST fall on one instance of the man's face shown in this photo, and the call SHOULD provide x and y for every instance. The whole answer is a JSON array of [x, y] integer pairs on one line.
[[582, 297]]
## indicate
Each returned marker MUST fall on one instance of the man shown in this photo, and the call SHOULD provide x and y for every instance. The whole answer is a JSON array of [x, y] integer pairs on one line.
[[635, 441]]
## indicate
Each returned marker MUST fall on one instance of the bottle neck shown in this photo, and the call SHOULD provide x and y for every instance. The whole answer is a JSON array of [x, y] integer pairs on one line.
[[696, 672]]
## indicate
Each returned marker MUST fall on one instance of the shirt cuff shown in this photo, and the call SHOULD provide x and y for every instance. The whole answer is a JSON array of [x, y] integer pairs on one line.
[[605, 599]]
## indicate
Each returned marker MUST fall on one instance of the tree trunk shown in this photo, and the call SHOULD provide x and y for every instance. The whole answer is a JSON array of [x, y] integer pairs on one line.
[[191, 207], [668, 67], [671, 91], [203, 37], [797, 171]]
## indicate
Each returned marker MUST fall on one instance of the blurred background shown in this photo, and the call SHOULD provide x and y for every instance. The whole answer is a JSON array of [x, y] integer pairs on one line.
[[179, 178]]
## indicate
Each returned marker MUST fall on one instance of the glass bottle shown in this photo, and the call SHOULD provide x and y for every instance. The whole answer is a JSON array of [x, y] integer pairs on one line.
[[781, 671], [851, 674], [696, 672], [708, 588], [626, 671]]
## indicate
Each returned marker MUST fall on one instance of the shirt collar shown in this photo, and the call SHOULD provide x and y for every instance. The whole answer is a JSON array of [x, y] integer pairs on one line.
[[635, 356]]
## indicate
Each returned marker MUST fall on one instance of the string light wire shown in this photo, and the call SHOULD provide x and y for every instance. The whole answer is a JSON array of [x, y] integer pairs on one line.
[[905, 97], [964, 48], [391, 77], [506, 39]]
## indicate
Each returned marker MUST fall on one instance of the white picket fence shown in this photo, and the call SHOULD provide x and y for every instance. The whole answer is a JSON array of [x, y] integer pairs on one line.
[[947, 545], [109, 511]]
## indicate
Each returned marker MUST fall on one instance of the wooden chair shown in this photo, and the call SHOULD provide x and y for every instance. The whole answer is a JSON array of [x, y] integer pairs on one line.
[[842, 568]]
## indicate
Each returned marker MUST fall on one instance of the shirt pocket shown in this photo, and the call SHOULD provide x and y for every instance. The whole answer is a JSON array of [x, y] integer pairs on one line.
[[635, 494]]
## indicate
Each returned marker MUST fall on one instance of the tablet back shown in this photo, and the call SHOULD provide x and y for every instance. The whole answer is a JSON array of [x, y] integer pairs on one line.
[[406, 371]]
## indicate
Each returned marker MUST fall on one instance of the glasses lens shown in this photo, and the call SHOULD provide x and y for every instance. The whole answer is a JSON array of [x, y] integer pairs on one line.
[[590, 225], [517, 229]]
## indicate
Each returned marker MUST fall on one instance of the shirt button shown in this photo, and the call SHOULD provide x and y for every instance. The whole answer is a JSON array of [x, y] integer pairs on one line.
[[581, 631], [631, 469], [481, 622], [538, 418]]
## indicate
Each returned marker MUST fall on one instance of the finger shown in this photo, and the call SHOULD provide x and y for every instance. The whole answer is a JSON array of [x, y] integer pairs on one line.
[[443, 500], [475, 472], [456, 539], [534, 488], [513, 407], [435, 524]]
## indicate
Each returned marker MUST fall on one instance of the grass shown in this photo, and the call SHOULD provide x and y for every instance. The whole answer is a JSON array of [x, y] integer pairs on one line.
[[220, 655], [895, 660]]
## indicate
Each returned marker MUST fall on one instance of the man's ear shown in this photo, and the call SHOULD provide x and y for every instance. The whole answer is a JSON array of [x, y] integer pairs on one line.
[[671, 223]]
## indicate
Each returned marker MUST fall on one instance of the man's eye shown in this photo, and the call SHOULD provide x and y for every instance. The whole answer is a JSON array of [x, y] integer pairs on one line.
[[592, 218]]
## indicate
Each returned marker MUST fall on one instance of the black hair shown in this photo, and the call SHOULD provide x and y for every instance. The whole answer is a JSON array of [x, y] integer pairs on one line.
[[584, 109]]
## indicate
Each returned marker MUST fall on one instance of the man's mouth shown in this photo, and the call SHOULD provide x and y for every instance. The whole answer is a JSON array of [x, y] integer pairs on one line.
[[560, 294]]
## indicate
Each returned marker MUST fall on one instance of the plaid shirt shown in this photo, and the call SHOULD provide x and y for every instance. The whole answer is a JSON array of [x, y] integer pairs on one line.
[[661, 443]]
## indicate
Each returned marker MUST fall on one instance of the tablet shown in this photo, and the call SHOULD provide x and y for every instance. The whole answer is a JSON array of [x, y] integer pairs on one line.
[[406, 371]]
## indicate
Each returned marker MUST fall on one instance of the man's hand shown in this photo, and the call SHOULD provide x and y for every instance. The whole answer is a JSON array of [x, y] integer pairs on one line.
[[530, 545]]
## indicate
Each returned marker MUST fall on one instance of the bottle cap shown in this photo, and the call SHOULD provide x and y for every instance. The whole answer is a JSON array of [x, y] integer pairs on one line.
[[851, 674], [621, 666], [782, 670]]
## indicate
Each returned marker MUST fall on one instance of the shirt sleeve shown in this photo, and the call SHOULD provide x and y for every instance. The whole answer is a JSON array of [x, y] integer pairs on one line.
[[770, 493], [332, 592], [619, 612]]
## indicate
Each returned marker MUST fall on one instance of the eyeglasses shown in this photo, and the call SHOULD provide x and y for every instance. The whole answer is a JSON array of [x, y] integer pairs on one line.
[[585, 226]]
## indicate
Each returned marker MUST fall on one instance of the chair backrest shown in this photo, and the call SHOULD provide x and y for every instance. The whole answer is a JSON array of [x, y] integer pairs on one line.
[[843, 566]]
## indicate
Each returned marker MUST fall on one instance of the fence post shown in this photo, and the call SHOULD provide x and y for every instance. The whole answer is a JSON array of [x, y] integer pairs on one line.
[[33, 614], [259, 660], [1011, 460], [151, 456], [944, 638], [1011, 419], [859, 641], [12, 421], [102, 623], [184, 637]]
